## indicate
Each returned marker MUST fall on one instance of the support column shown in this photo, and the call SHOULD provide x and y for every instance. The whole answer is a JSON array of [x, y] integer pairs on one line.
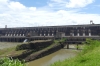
[[5, 34], [89, 31], [78, 34], [23, 34], [72, 34], [52, 33], [20, 35], [14, 35], [67, 46], [40, 34], [8, 34], [83, 34], [48, 34], [11, 35], [17, 35], [44, 34]]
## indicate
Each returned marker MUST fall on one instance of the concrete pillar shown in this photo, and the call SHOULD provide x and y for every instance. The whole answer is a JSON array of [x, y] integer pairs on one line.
[[89, 31], [52, 34], [23, 35], [44, 34], [83, 34], [17, 35], [8, 34], [5, 26], [78, 34], [40, 34], [5, 34], [72, 34], [14, 34], [48, 34], [67, 46], [11, 35], [20, 34], [89, 34]]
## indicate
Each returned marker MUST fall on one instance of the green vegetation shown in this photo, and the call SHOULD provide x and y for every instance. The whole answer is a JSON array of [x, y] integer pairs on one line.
[[10, 62], [19, 47], [59, 40], [56, 41], [89, 56], [63, 39]]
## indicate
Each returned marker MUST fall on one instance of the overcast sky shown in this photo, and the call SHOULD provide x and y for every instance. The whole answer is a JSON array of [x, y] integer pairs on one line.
[[30, 13]]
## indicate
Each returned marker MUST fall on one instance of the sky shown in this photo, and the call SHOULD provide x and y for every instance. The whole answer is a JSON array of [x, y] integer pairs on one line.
[[31, 13]]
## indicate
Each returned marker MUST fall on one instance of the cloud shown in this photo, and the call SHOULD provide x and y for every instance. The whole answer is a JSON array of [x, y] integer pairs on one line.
[[3, 1], [70, 3], [22, 16], [57, 3], [78, 3], [16, 6]]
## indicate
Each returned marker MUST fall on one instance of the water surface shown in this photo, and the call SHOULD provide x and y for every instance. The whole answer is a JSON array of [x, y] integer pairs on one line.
[[56, 56]]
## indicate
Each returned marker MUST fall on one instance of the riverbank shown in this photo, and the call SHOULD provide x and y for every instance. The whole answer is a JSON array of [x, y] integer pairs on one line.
[[90, 56], [32, 50]]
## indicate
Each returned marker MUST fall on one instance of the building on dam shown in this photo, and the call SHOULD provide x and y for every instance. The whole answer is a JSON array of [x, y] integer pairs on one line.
[[71, 32]]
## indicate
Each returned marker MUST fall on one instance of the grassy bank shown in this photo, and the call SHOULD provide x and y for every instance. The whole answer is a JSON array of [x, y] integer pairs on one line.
[[90, 56], [10, 62]]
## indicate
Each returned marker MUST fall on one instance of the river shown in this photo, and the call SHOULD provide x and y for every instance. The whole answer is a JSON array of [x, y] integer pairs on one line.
[[56, 56]]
